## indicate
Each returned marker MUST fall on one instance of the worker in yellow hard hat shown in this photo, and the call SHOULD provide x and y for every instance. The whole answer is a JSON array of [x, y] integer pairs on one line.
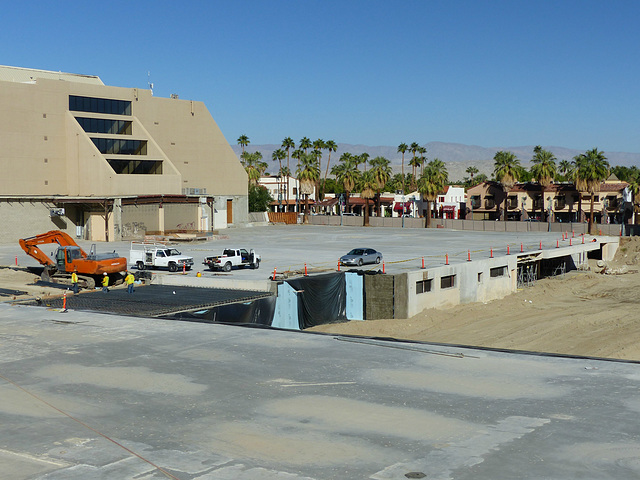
[[74, 280], [105, 282], [129, 279]]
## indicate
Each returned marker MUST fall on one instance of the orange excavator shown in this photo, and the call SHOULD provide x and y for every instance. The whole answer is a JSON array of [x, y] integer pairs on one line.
[[70, 257]]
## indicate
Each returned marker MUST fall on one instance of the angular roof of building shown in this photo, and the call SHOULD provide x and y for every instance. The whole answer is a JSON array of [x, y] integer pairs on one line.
[[30, 75]]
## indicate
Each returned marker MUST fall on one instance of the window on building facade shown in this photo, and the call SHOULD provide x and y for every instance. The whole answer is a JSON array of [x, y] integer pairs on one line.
[[136, 167], [114, 146], [99, 105], [423, 286], [104, 125], [448, 282], [497, 272]]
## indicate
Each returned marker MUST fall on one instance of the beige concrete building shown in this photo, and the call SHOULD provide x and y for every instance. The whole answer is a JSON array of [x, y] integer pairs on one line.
[[101, 161]]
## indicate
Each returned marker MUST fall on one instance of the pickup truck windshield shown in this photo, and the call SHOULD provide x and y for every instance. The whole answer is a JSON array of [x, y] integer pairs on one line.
[[173, 251]]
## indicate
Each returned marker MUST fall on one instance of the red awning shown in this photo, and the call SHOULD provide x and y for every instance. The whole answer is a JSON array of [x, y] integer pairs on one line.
[[448, 208], [398, 206]]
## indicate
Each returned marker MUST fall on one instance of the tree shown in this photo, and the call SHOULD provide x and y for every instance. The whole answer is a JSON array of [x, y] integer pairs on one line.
[[243, 141], [506, 171], [347, 174], [471, 170], [367, 190], [330, 146], [253, 166], [423, 152], [305, 144], [381, 171], [431, 183], [288, 144], [402, 148], [591, 169], [278, 155], [308, 173], [259, 198], [565, 168], [544, 170]]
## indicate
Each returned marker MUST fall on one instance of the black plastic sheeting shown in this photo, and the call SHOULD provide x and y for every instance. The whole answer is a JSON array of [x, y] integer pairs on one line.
[[321, 299], [258, 311]]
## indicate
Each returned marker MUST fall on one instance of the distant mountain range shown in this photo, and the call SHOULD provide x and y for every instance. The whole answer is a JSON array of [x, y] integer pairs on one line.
[[457, 157]]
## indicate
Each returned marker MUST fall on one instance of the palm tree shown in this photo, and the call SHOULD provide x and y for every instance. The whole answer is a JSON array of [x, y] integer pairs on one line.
[[347, 174], [252, 166], [422, 151], [431, 183], [381, 171], [506, 170], [305, 144], [634, 187], [544, 170], [565, 168], [402, 148], [243, 141], [279, 155], [367, 190], [471, 170], [591, 168], [330, 146], [288, 144], [364, 158], [308, 174]]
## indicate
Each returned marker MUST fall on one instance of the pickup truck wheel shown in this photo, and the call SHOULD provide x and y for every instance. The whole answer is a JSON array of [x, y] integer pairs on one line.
[[173, 267], [227, 267], [140, 266], [257, 264]]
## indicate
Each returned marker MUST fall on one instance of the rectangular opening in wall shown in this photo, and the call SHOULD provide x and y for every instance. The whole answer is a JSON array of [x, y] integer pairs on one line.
[[423, 286], [498, 272], [448, 282], [99, 105], [136, 167], [479, 277], [112, 146], [105, 125]]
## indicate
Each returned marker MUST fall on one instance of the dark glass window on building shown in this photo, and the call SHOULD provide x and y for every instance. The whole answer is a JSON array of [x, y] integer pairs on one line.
[[423, 286], [104, 125], [448, 282], [114, 146], [99, 105], [136, 167], [497, 272]]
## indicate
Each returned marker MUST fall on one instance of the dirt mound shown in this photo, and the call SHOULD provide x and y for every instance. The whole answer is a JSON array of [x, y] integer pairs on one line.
[[629, 251]]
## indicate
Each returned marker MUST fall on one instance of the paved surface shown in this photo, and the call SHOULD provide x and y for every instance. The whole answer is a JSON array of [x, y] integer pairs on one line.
[[150, 300], [93, 396], [289, 247]]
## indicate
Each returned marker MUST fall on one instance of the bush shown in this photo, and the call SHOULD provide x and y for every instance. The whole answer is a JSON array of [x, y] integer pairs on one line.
[[259, 198]]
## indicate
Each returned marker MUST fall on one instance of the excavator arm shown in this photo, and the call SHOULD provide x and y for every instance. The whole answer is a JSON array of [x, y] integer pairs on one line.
[[30, 245]]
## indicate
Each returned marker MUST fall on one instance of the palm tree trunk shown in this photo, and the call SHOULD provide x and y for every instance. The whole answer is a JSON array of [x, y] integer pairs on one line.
[[366, 212], [591, 229], [326, 172], [306, 208], [427, 222]]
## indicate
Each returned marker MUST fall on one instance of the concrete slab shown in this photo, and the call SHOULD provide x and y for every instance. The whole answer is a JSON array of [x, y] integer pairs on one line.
[[289, 247], [86, 395]]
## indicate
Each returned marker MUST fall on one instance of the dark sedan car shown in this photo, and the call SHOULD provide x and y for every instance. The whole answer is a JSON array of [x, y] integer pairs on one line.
[[360, 256]]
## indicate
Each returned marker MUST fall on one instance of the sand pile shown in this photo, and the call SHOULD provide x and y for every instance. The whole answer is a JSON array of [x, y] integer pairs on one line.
[[584, 313]]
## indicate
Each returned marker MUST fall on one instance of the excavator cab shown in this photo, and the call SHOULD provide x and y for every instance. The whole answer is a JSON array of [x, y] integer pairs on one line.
[[65, 257]]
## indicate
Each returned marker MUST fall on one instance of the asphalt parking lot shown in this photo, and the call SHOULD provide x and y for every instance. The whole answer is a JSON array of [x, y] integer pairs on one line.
[[290, 247]]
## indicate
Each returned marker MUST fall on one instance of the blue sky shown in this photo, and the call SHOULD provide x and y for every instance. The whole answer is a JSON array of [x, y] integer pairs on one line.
[[489, 73]]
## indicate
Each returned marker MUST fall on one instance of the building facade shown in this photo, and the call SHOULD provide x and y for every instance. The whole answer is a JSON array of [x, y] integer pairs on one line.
[[559, 202], [68, 136]]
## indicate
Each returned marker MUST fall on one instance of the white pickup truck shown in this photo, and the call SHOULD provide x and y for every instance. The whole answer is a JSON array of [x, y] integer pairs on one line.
[[233, 257], [156, 255]]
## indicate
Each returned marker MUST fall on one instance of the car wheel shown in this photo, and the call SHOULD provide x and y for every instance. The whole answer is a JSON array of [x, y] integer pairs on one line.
[[140, 265], [378, 259], [227, 267], [173, 267], [359, 262], [257, 264]]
